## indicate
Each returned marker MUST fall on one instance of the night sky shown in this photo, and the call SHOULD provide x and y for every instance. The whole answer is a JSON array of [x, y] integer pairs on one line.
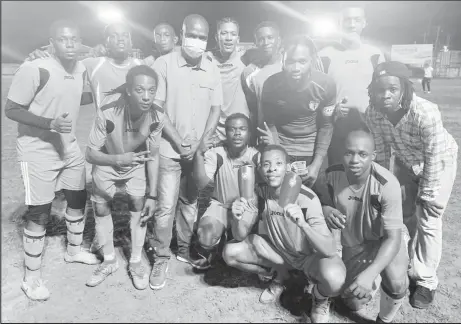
[[25, 23]]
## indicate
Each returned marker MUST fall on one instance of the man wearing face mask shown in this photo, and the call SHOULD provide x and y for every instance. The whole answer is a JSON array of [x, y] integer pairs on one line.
[[231, 67], [350, 63], [190, 91], [165, 40]]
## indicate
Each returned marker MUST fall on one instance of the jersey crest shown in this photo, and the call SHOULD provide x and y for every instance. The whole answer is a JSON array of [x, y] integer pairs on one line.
[[313, 105]]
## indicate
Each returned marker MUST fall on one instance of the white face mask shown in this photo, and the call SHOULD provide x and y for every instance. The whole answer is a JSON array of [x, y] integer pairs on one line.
[[193, 47]]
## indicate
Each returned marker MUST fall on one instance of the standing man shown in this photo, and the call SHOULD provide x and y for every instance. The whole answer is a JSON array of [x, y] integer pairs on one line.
[[44, 98], [268, 42], [366, 206], [292, 237], [412, 142], [427, 77], [107, 72], [298, 105], [165, 40], [125, 134], [231, 67], [350, 63], [190, 91]]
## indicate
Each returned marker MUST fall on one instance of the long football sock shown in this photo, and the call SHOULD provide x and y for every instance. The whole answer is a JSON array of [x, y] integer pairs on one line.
[[105, 236], [33, 248], [388, 307], [138, 235]]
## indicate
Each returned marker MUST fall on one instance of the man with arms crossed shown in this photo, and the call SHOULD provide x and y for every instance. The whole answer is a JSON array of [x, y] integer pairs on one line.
[[190, 91], [294, 237], [412, 142], [221, 166], [298, 105], [366, 206], [350, 63], [44, 98], [124, 132]]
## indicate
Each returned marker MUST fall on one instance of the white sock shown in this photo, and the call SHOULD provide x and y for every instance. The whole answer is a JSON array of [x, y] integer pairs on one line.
[[104, 236], [34, 242], [138, 235], [75, 226], [388, 307], [317, 293]]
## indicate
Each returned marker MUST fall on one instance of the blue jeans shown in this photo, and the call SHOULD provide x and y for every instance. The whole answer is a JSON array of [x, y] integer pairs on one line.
[[177, 196]]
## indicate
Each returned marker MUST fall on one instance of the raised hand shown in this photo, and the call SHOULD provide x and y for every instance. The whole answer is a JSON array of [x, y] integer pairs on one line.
[[266, 137], [132, 159]]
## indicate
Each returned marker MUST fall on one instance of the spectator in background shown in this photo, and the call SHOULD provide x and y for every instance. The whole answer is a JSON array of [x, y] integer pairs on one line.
[[164, 39], [427, 77]]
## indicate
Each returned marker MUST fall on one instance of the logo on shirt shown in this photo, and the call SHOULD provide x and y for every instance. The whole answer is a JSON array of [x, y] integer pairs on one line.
[[355, 198], [132, 130], [68, 77], [351, 62], [276, 213], [328, 111], [313, 105], [225, 65]]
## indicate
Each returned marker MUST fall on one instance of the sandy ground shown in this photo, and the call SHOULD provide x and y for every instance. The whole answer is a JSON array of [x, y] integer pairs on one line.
[[221, 294]]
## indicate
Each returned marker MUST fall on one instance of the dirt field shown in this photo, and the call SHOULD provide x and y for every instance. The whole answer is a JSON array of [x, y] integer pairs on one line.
[[219, 295]]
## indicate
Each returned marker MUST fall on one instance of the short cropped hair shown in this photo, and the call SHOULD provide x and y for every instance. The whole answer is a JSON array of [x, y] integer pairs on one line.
[[267, 23], [109, 26], [227, 20], [273, 147], [165, 24], [237, 116], [303, 40], [132, 73], [62, 24]]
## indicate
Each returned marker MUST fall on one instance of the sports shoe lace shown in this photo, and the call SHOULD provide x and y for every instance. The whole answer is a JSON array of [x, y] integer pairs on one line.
[[138, 271], [157, 268], [322, 306], [102, 269]]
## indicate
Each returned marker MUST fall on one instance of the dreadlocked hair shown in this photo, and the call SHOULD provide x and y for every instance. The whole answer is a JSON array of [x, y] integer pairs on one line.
[[407, 97], [303, 40], [132, 73]]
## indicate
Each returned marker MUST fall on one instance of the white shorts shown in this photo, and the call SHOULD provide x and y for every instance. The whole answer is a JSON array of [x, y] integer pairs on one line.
[[106, 179], [43, 179]]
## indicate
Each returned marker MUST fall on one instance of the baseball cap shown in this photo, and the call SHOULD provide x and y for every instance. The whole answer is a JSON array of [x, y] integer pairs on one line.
[[391, 68]]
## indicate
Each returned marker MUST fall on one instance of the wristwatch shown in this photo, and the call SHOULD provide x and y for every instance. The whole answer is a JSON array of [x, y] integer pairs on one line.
[[152, 197]]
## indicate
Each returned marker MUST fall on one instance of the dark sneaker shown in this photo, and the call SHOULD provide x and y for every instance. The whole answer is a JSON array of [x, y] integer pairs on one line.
[[422, 298], [379, 320], [157, 278]]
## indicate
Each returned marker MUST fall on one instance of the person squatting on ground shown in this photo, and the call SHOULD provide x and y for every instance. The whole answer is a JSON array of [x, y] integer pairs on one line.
[[45, 98], [126, 133], [190, 91], [297, 105], [365, 204], [411, 141], [295, 236], [220, 166]]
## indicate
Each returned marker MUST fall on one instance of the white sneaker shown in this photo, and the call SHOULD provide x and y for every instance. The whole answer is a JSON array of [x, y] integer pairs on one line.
[[84, 256], [35, 289], [102, 272], [272, 293], [320, 312], [139, 276]]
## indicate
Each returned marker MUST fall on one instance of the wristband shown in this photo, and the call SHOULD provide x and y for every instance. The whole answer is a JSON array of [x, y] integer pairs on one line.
[[151, 197]]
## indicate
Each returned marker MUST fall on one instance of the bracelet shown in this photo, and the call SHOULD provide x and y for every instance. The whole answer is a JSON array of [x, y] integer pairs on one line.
[[152, 197]]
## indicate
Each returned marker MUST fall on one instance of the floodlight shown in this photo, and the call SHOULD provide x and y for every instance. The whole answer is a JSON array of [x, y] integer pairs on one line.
[[323, 27], [110, 14]]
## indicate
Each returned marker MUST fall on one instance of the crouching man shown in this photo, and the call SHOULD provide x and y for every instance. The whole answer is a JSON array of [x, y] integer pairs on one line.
[[366, 205], [294, 237]]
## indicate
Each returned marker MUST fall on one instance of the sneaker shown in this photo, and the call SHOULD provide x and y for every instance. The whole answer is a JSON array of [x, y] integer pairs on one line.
[[139, 276], [201, 263], [266, 278], [157, 278], [102, 272], [320, 312], [35, 289], [84, 256], [422, 297], [272, 293]]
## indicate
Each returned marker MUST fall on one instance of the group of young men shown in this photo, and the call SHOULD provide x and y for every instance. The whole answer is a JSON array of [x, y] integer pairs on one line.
[[182, 119]]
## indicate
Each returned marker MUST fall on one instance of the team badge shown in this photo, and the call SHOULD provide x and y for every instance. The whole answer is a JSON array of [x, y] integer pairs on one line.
[[313, 105], [328, 111]]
